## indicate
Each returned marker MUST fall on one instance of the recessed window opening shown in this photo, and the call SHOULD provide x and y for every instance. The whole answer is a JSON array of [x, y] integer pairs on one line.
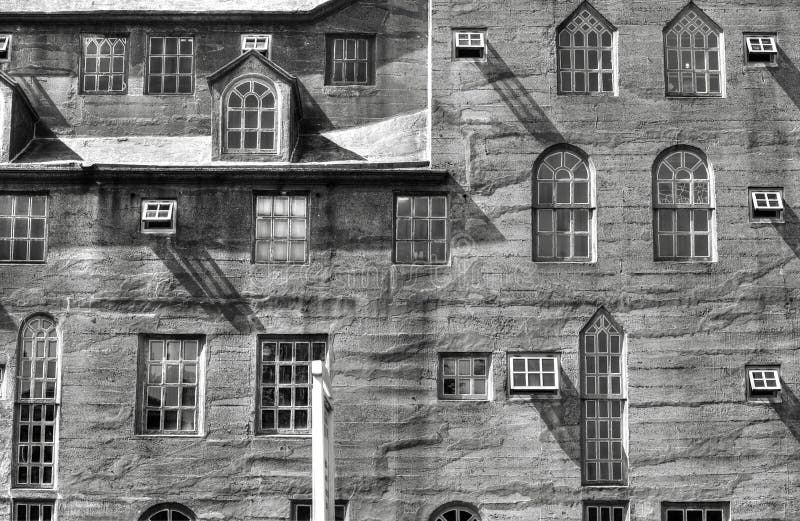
[[469, 45]]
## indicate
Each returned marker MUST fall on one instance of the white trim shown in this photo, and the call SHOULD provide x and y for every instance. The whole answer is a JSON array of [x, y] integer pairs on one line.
[[260, 42], [153, 215], [765, 44], [469, 40], [528, 373], [771, 200], [765, 376]]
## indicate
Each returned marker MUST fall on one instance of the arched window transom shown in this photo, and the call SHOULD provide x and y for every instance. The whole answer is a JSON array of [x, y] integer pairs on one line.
[[168, 513], [563, 211], [585, 54], [458, 514], [694, 61], [250, 118]]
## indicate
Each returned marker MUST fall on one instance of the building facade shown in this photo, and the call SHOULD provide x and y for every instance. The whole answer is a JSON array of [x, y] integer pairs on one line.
[[546, 249]]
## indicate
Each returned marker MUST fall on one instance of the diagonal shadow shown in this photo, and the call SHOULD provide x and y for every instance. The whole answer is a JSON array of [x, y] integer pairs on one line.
[[514, 94], [789, 411], [6, 322], [788, 76], [789, 230], [563, 418], [47, 109]]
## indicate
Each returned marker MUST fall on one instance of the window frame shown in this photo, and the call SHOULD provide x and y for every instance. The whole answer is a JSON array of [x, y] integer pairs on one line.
[[40, 502], [311, 339], [469, 32], [5, 54], [301, 502], [527, 389], [29, 215], [266, 52], [705, 506], [766, 214], [720, 49], [160, 507], [587, 504], [458, 507], [330, 60], [749, 53], [447, 231], [142, 384], [275, 109], [148, 55], [472, 357], [172, 217], [254, 236], [602, 20], [125, 65], [766, 394]]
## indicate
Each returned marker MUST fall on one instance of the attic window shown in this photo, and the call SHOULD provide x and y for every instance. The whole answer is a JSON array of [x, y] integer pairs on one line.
[[256, 42], [469, 45], [766, 205], [761, 49], [158, 216], [5, 47]]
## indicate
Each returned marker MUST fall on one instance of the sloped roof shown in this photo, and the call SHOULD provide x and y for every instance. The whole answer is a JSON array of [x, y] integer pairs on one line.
[[144, 6]]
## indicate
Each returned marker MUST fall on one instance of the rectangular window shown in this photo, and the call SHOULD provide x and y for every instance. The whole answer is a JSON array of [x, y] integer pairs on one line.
[[351, 60], [604, 511], [684, 233], [256, 42], [23, 228], [469, 45], [464, 377], [763, 384], [696, 511], [603, 457], [533, 373], [38, 510], [104, 68], [766, 205], [170, 66], [5, 47], [159, 216], [170, 377], [420, 229], [761, 49], [284, 382], [281, 233], [301, 510]]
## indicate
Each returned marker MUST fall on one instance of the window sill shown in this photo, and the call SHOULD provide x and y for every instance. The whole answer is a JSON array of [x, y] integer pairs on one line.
[[169, 436], [694, 96], [757, 66], [302, 436], [123, 93], [534, 397]]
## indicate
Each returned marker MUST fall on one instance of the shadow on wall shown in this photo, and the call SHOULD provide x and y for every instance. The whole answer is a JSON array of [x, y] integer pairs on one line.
[[788, 76], [471, 226], [563, 419], [47, 109], [6, 322], [790, 229], [516, 97], [789, 411]]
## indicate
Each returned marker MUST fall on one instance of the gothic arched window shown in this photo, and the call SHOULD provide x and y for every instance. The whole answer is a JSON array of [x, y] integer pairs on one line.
[[563, 206], [168, 512], [585, 53], [694, 55], [683, 203], [250, 118]]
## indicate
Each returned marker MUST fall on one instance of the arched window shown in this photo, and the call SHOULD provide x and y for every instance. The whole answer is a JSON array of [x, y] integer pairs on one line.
[[683, 205], [456, 513], [36, 408], [250, 118], [694, 55], [168, 512], [563, 206], [603, 397], [586, 53]]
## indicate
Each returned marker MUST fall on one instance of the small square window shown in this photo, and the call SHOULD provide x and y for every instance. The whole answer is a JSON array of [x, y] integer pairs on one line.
[[605, 511], [464, 377], [766, 205], [301, 510], [469, 45], [256, 42], [159, 216], [763, 383], [5, 47], [760, 49], [33, 510], [533, 373]]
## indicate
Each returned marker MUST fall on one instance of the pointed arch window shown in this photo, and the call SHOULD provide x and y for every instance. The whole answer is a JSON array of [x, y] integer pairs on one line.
[[586, 53], [250, 122], [168, 512], [36, 409], [694, 55], [564, 207], [683, 206], [603, 402]]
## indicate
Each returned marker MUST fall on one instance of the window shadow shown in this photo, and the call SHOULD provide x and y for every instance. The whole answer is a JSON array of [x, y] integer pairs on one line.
[[49, 113], [51, 149], [317, 148], [470, 224], [789, 411], [514, 94], [563, 418], [788, 76], [6, 321], [789, 230]]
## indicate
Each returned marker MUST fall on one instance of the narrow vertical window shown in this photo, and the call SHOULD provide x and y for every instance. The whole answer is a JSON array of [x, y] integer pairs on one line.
[[563, 207], [36, 408], [683, 206], [420, 229], [170, 65], [281, 233], [586, 53], [29, 510], [23, 228], [694, 55], [104, 68], [250, 121], [351, 60], [603, 402]]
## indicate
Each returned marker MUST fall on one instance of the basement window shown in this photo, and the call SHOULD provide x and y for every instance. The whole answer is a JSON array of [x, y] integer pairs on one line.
[[761, 49], [766, 205], [763, 382], [5, 47], [469, 45], [695, 511], [256, 42], [533, 373], [158, 216]]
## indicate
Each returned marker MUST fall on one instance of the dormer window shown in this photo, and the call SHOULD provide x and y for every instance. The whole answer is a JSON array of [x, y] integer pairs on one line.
[[5, 47], [250, 108], [158, 216], [256, 42], [469, 45]]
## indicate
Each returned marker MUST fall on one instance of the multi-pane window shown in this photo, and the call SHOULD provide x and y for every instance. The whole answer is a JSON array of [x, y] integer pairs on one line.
[[301, 511], [170, 401], [697, 511], [256, 42], [603, 402], [104, 67], [159, 216], [25, 510], [533, 373], [170, 512], [284, 382], [170, 66], [564, 210], [469, 45], [23, 228], [764, 383], [250, 120], [464, 377], [460, 513], [694, 55], [683, 202], [585, 54], [593, 511], [766, 205], [761, 49], [36, 409], [5, 47], [420, 229], [351, 60], [281, 228]]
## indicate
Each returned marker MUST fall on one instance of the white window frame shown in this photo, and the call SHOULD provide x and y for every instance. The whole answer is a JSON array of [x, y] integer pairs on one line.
[[765, 393], [171, 217], [264, 48], [766, 205], [528, 373], [5, 47], [39, 503], [469, 39], [593, 510], [295, 217], [766, 44]]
